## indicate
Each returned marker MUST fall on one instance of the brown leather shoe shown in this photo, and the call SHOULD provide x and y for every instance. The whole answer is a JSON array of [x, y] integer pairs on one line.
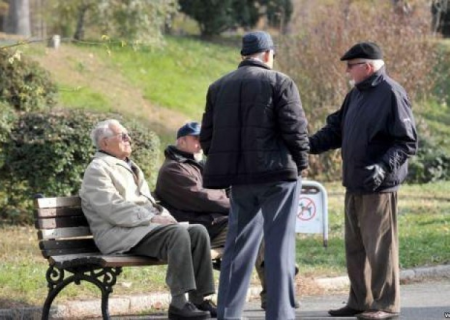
[[377, 314], [344, 312], [188, 312]]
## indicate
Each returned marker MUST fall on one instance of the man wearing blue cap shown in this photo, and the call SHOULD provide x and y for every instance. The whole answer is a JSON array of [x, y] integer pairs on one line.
[[376, 133], [254, 134], [180, 189]]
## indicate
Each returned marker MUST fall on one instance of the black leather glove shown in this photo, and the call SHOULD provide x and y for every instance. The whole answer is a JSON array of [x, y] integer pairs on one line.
[[376, 177]]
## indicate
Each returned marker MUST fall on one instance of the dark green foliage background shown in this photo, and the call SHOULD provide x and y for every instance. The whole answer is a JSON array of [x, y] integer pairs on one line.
[[47, 153]]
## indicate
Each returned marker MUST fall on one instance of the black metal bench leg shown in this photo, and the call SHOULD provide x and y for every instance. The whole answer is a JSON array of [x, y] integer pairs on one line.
[[55, 287], [56, 282]]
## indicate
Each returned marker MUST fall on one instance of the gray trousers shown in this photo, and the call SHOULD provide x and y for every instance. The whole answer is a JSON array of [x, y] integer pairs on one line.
[[219, 241], [371, 243], [187, 252], [271, 208]]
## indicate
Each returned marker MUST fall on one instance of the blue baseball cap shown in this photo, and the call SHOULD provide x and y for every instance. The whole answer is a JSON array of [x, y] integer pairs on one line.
[[189, 129]]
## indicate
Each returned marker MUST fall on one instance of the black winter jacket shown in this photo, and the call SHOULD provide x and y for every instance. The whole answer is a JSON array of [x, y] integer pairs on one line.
[[254, 129], [374, 125]]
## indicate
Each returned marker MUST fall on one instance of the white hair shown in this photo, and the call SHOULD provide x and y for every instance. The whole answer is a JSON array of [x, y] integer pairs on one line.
[[377, 64], [102, 130]]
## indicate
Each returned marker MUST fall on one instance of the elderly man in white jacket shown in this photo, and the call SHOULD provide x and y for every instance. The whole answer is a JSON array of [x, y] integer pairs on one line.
[[124, 218]]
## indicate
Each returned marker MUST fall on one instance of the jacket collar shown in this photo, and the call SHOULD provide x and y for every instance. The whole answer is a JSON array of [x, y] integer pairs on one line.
[[173, 153], [113, 160], [372, 81], [254, 63]]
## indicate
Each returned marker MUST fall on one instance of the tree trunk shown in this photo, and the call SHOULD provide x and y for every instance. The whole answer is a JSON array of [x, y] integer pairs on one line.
[[37, 21], [440, 10], [79, 32], [18, 19]]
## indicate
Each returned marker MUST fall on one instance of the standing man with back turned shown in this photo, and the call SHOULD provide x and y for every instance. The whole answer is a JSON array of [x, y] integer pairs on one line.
[[254, 134], [376, 133]]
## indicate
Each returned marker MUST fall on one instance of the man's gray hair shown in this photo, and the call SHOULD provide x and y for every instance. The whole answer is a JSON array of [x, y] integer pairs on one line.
[[376, 64], [102, 130]]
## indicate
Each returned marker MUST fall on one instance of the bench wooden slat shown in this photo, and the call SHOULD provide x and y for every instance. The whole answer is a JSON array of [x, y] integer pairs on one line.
[[64, 233], [74, 201], [59, 212], [64, 247], [61, 222], [67, 244], [62, 252], [73, 260]]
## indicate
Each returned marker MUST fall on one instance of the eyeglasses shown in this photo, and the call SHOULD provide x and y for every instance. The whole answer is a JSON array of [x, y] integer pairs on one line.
[[124, 136], [351, 65]]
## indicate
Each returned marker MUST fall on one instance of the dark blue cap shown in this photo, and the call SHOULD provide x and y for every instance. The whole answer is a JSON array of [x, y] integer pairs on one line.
[[363, 50], [189, 129], [257, 41]]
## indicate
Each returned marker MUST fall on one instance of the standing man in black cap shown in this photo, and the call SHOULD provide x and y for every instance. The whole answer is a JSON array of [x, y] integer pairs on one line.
[[376, 133], [254, 134]]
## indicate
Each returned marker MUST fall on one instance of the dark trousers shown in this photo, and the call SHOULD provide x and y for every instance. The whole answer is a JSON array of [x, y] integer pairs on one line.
[[259, 210], [371, 243], [187, 252]]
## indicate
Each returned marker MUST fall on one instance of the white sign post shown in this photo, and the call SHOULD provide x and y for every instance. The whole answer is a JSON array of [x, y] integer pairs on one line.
[[312, 215]]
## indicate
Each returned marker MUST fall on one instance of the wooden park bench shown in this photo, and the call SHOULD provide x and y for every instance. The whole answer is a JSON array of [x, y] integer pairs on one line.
[[66, 242]]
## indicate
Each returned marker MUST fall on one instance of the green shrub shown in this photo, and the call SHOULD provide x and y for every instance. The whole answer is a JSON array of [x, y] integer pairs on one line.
[[24, 85], [48, 153], [431, 163]]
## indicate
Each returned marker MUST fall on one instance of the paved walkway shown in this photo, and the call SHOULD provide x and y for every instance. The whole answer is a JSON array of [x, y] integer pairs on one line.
[[428, 299]]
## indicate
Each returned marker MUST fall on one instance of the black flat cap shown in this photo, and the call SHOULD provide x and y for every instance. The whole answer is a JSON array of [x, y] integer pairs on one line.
[[257, 41], [363, 50]]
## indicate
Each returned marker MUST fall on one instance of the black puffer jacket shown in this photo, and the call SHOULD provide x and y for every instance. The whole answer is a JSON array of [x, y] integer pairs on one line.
[[375, 124], [254, 128]]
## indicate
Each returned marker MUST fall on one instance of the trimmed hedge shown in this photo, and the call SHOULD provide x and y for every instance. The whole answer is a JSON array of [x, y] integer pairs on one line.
[[48, 152], [24, 84]]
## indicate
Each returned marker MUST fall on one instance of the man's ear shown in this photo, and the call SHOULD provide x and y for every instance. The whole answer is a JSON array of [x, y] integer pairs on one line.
[[266, 56], [103, 143]]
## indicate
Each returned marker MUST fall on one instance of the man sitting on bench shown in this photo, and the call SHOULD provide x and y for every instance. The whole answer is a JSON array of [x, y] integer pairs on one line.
[[124, 218]]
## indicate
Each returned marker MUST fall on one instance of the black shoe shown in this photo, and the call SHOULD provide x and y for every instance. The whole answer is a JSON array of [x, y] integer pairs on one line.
[[188, 312], [208, 305], [344, 312], [264, 305]]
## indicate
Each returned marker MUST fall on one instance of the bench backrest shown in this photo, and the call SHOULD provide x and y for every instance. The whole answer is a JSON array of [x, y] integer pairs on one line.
[[62, 227]]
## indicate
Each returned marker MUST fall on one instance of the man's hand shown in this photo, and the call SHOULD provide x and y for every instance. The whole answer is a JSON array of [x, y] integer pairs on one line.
[[163, 219], [376, 177]]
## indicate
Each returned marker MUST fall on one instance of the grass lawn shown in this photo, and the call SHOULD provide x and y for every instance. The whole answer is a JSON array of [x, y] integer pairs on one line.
[[424, 228], [164, 87]]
